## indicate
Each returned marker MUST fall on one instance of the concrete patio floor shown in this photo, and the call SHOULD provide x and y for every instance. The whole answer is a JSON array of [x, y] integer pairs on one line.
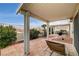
[[38, 47]]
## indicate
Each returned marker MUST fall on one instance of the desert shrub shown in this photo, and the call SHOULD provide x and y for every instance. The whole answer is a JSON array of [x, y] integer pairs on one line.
[[34, 34], [7, 35]]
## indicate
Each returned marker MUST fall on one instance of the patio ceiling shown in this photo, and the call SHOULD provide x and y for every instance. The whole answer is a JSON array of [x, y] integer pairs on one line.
[[50, 11]]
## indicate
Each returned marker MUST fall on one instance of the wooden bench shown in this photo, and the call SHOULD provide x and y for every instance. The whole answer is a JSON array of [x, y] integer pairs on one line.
[[62, 48]]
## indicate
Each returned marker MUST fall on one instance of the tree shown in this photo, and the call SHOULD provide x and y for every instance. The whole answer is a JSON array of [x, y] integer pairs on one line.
[[44, 27]]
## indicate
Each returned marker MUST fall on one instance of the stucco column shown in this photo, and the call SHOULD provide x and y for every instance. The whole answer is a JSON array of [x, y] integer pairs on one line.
[[50, 29], [47, 30], [71, 31], [54, 29], [26, 33]]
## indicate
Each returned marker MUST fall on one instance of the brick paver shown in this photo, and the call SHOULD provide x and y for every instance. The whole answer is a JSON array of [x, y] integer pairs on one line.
[[13, 50]]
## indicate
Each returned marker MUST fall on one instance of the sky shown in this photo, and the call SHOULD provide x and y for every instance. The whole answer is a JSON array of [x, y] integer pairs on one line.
[[8, 15]]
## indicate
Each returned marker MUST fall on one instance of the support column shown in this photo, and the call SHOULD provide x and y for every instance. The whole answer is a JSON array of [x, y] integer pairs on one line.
[[50, 29], [26, 33], [71, 31], [54, 29], [47, 30]]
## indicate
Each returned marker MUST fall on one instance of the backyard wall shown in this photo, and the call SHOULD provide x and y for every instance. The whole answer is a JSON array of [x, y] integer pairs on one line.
[[20, 36], [61, 27]]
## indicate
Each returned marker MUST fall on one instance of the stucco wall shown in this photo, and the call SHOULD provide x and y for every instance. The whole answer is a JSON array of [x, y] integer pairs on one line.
[[20, 36], [76, 32], [65, 27]]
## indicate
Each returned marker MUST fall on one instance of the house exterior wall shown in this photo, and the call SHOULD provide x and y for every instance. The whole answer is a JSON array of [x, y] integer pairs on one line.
[[76, 32]]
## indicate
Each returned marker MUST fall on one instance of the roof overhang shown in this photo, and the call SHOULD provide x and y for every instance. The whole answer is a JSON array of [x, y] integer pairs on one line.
[[49, 11]]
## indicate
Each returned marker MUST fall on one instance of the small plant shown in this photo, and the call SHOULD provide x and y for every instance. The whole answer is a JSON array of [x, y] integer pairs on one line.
[[61, 32], [34, 33], [7, 36]]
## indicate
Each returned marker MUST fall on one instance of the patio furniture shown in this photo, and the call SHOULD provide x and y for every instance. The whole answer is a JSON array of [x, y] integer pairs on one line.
[[55, 46], [62, 48]]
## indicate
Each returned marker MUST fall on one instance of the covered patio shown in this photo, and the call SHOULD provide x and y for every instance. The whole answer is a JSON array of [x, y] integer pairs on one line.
[[47, 13], [38, 47]]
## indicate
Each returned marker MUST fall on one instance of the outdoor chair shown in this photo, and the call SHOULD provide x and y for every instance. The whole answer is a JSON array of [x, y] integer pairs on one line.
[[56, 47]]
